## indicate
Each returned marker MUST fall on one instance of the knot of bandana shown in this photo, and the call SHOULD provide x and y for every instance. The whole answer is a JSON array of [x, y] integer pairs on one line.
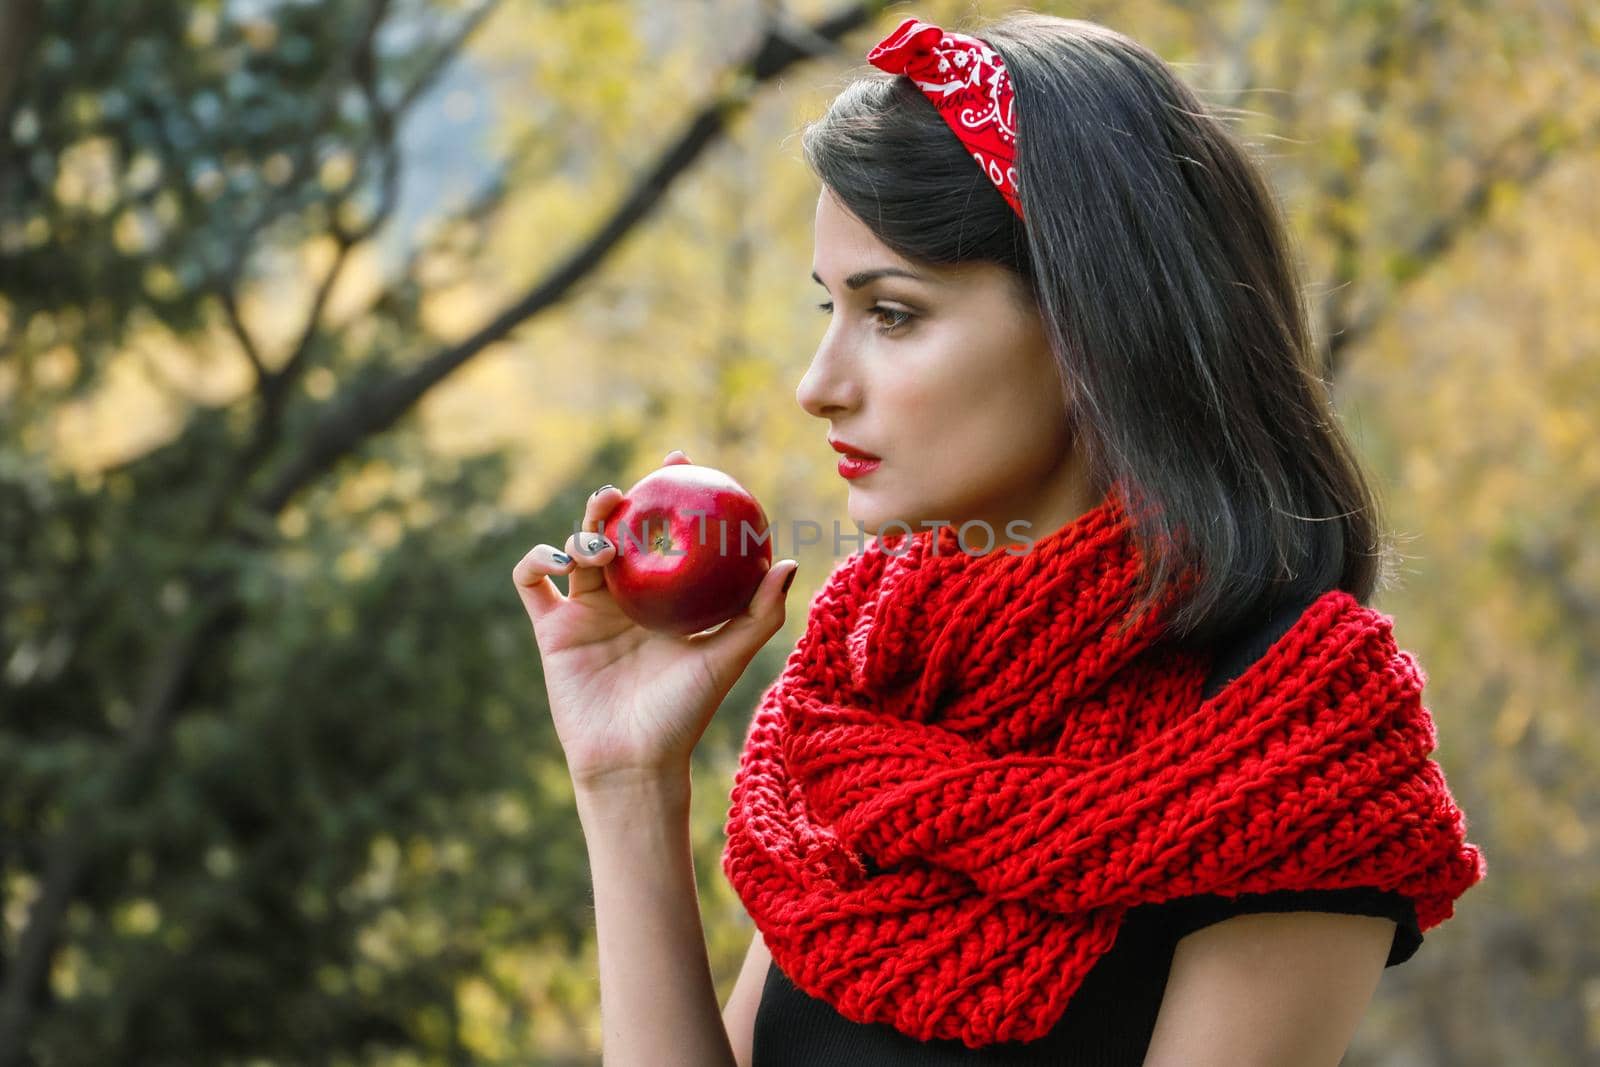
[[968, 83]]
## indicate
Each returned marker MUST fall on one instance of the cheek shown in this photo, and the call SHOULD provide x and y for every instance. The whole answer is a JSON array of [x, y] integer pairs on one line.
[[913, 398], [967, 402], [1000, 422], [942, 381]]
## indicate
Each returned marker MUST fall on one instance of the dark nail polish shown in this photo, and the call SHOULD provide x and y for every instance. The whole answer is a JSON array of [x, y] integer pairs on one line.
[[595, 545], [787, 582], [561, 558]]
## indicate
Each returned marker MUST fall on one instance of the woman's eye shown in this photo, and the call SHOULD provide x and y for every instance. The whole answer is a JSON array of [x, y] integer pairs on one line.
[[900, 318]]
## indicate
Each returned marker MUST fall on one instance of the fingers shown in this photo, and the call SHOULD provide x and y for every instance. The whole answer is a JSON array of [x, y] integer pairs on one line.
[[591, 552], [732, 646], [601, 501], [587, 551], [771, 601], [531, 576], [586, 578]]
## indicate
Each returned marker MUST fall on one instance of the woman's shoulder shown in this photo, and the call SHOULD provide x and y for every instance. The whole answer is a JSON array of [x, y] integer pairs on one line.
[[1184, 915], [1181, 916]]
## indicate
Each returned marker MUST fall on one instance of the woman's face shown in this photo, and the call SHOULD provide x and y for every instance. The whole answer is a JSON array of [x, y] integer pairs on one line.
[[948, 377]]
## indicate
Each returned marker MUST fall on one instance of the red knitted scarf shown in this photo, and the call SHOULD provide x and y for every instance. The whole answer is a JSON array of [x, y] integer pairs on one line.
[[964, 777]]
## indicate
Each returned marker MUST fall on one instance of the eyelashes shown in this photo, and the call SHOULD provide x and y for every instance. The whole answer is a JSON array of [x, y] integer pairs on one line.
[[904, 317]]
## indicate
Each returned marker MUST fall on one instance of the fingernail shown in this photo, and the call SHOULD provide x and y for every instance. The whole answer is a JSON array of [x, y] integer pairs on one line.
[[595, 545], [787, 582], [602, 489], [561, 558]]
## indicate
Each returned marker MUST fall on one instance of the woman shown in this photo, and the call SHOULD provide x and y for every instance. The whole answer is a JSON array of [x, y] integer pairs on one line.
[[1095, 755]]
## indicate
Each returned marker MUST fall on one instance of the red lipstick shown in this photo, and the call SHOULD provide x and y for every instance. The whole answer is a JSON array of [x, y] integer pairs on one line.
[[856, 461]]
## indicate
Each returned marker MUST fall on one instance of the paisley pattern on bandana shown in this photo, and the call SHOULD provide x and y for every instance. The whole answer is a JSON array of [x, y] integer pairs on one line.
[[967, 82]]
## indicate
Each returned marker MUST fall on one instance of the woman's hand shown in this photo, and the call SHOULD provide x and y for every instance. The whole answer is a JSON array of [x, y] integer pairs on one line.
[[627, 701]]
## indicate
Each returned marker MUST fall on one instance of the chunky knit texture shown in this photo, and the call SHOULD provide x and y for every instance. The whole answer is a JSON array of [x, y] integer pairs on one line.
[[965, 775]]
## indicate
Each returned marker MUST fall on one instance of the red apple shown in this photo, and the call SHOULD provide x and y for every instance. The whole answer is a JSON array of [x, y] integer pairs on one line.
[[692, 547]]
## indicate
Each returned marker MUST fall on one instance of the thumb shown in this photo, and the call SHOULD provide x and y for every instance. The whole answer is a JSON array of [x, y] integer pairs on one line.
[[732, 646]]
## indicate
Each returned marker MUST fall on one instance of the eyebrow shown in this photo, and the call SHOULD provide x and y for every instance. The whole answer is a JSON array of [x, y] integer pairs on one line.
[[862, 277]]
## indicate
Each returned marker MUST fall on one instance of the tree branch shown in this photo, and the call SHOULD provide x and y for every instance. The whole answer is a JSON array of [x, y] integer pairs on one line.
[[1519, 159], [351, 419], [1346, 182], [247, 344], [275, 387]]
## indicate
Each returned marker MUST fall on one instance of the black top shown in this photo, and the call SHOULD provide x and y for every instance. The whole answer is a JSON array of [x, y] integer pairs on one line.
[[1111, 1017]]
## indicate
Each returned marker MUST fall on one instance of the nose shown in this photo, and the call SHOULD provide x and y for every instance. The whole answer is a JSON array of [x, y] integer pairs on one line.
[[828, 388]]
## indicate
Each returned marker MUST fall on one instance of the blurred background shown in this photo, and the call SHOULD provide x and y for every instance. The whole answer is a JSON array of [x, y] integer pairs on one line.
[[314, 317]]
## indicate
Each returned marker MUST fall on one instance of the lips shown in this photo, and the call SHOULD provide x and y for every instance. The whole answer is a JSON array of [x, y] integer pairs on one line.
[[850, 450], [851, 467]]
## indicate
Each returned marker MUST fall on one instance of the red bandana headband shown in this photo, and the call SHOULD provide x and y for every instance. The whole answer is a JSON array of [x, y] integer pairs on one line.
[[968, 83]]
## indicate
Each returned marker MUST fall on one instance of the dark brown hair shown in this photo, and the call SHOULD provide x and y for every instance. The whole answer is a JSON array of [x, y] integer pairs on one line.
[[1160, 262]]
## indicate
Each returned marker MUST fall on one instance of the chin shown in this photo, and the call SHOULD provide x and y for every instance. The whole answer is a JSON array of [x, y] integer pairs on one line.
[[877, 521], [870, 521]]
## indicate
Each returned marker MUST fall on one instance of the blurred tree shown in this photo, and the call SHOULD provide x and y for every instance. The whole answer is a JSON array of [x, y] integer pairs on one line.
[[210, 854]]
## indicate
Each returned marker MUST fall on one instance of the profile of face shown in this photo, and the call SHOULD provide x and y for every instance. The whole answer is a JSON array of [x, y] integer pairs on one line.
[[946, 374]]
